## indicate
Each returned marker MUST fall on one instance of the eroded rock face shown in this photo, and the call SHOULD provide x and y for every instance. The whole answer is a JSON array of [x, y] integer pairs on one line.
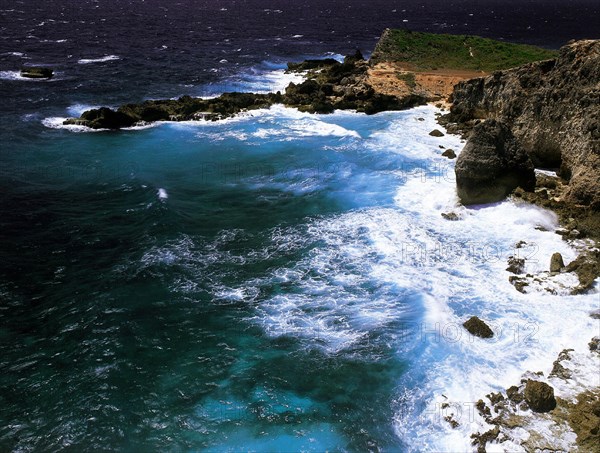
[[539, 396], [553, 109], [491, 165]]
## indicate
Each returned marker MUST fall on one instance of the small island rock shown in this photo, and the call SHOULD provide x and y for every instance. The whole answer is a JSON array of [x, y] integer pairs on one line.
[[477, 327]]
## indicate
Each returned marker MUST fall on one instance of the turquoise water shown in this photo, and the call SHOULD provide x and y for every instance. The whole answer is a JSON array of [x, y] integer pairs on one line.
[[148, 299]]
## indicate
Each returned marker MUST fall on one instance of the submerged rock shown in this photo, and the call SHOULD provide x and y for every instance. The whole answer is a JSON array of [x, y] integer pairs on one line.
[[491, 165], [477, 327], [37, 72], [539, 396]]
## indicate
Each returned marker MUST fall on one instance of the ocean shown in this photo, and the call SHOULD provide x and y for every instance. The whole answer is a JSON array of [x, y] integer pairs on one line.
[[277, 281]]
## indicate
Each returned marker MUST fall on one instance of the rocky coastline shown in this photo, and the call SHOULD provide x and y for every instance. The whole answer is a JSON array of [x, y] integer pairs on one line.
[[329, 85], [533, 134]]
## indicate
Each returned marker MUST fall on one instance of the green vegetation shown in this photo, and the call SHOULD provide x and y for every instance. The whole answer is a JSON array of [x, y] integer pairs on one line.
[[429, 51], [408, 78]]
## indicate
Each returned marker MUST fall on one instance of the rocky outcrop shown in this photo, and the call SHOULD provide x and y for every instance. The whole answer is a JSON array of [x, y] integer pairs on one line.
[[553, 109], [329, 85], [37, 72], [491, 165]]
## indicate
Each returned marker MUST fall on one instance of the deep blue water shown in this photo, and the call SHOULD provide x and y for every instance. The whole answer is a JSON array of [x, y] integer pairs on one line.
[[234, 285]]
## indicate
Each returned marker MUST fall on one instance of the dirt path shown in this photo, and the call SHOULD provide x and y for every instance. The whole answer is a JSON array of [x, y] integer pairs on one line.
[[400, 79]]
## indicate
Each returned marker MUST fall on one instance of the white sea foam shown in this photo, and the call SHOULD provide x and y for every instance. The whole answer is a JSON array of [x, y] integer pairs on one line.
[[56, 122], [99, 59], [16, 75], [162, 194]]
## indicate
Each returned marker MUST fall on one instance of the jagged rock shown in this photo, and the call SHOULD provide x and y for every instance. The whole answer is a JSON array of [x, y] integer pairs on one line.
[[515, 265], [514, 394], [491, 165], [584, 419], [595, 314], [539, 396], [477, 327], [307, 65], [558, 369], [436, 133], [358, 56], [449, 153], [587, 268], [452, 216], [520, 244], [453, 423], [37, 72], [480, 440], [553, 111], [595, 344], [495, 398], [556, 262], [519, 283]]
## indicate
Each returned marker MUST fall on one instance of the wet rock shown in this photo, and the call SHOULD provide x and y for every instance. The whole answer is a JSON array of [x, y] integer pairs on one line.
[[480, 440], [558, 369], [436, 133], [37, 72], [307, 65], [477, 327], [515, 265], [595, 344], [449, 153], [520, 244], [539, 396], [491, 165], [495, 398], [587, 268], [453, 216], [584, 419], [519, 283], [514, 394], [556, 262], [595, 314], [453, 423]]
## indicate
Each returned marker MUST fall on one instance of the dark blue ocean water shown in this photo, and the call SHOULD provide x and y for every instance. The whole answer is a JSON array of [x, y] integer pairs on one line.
[[247, 285]]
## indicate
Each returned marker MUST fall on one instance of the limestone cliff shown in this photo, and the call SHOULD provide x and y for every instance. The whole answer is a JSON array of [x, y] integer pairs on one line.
[[553, 109]]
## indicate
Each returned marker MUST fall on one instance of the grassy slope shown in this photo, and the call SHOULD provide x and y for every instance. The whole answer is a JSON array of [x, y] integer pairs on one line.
[[428, 51]]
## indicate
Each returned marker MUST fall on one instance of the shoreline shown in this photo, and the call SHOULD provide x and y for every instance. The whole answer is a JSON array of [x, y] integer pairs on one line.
[[309, 97]]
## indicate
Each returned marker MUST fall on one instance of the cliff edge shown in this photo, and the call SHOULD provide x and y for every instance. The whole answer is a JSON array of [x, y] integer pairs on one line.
[[552, 107]]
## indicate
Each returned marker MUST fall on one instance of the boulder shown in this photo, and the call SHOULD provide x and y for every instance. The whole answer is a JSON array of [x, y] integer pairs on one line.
[[556, 263], [37, 72], [477, 327], [539, 396], [449, 153], [491, 165], [436, 133]]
